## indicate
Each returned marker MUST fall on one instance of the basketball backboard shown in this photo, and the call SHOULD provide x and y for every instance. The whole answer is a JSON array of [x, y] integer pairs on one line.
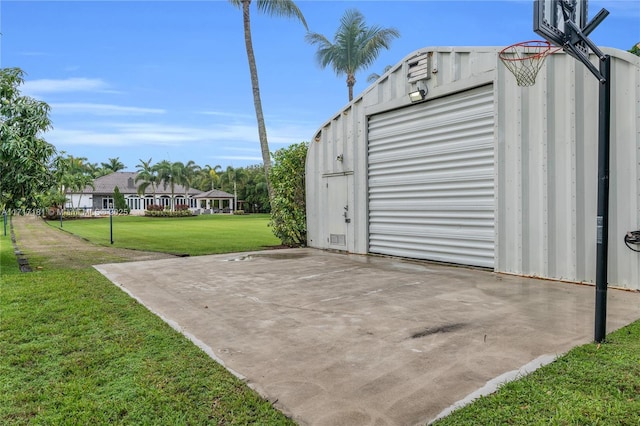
[[550, 17]]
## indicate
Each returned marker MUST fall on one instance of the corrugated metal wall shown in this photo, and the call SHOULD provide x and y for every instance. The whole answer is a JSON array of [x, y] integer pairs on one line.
[[547, 171], [444, 70], [431, 180], [545, 143]]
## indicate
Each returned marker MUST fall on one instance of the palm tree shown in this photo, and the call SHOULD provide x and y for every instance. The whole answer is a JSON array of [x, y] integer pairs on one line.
[[214, 173], [187, 176], [233, 181], [113, 165], [373, 76], [72, 174], [95, 169], [148, 174], [170, 174], [286, 8], [82, 176], [356, 46]]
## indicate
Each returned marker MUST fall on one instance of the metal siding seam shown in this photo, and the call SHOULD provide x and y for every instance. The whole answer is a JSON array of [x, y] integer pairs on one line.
[[523, 137]]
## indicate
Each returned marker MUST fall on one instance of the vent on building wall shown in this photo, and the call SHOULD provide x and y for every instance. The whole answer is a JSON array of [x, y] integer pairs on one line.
[[419, 68], [337, 239]]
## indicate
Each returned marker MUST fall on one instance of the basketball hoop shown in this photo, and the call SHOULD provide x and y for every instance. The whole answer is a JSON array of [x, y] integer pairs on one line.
[[525, 59]]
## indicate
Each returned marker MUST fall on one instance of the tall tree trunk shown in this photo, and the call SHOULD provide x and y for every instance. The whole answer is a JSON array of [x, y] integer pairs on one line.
[[351, 81], [262, 130], [173, 197]]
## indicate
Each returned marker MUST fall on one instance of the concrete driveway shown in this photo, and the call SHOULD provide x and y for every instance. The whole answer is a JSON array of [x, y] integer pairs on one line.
[[336, 339]]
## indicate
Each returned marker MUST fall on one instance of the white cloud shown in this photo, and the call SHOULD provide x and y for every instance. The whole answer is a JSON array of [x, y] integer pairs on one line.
[[120, 135], [76, 84], [64, 137], [101, 109], [252, 149], [227, 114], [239, 137]]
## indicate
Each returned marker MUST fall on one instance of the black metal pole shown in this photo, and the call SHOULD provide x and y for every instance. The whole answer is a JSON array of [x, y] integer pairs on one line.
[[111, 225], [4, 216], [602, 247]]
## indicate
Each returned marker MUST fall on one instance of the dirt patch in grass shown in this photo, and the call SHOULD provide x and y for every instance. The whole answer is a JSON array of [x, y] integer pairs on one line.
[[47, 247]]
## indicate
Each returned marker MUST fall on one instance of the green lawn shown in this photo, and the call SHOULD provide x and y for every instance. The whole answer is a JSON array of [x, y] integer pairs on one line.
[[591, 385], [75, 349], [196, 235]]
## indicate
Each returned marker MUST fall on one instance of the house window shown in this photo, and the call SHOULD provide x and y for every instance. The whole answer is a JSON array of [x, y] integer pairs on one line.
[[148, 200], [133, 203], [107, 203]]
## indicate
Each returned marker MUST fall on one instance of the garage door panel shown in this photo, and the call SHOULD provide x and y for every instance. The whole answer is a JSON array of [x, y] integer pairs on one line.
[[443, 138], [434, 179], [431, 180], [445, 161], [441, 253], [453, 109], [481, 218]]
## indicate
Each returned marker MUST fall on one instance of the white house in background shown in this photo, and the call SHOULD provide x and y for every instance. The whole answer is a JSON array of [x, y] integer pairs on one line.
[[100, 197], [216, 201]]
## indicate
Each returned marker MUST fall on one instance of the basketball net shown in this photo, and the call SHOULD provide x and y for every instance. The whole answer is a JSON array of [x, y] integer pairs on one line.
[[525, 59]]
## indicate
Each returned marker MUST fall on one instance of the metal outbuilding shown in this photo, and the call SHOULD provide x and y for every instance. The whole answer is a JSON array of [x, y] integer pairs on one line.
[[479, 171]]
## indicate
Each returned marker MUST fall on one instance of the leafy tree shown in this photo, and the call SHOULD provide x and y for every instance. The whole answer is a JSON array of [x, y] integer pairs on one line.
[[635, 49], [53, 200], [286, 8], [356, 46], [24, 155], [119, 202], [254, 192], [288, 205]]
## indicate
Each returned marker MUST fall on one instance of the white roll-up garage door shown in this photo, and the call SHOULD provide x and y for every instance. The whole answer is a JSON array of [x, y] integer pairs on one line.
[[431, 180]]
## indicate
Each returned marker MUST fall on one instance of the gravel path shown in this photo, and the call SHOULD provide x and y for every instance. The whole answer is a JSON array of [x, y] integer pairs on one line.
[[48, 247]]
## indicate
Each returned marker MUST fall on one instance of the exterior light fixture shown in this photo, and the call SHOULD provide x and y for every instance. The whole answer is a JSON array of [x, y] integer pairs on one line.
[[418, 95]]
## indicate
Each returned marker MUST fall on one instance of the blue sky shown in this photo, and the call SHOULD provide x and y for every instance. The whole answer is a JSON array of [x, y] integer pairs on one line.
[[169, 80]]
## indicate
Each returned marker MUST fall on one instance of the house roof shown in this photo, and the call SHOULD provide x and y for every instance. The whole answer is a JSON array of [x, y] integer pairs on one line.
[[214, 193], [126, 183]]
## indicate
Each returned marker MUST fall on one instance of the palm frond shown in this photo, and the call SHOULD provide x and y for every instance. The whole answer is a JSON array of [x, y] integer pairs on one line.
[[283, 8]]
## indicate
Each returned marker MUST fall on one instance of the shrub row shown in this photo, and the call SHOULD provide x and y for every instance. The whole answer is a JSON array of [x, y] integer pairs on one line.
[[167, 213]]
